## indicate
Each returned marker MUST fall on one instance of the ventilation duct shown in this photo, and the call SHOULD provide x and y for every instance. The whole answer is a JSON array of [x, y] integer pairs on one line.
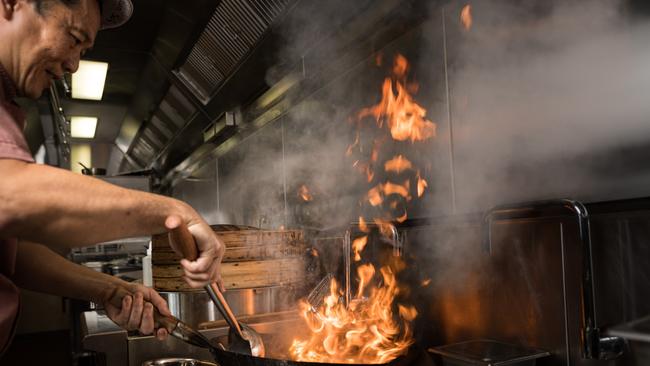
[[172, 114], [232, 32]]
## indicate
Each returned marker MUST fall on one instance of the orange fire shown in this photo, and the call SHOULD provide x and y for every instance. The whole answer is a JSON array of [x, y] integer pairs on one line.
[[304, 193], [372, 327], [403, 116], [368, 331], [386, 228], [405, 120], [466, 17], [358, 245], [422, 185], [362, 225], [377, 194], [398, 164]]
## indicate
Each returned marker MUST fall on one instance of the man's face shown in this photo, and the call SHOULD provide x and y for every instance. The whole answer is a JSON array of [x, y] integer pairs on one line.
[[53, 43]]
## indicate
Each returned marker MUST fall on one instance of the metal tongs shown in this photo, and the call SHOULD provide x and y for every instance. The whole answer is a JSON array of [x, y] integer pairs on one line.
[[241, 337]]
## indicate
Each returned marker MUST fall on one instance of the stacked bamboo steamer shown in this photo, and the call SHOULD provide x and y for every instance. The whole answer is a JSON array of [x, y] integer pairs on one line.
[[253, 258]]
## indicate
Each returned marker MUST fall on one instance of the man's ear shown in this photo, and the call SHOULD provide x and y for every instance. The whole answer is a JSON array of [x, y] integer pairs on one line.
[[8, 8]]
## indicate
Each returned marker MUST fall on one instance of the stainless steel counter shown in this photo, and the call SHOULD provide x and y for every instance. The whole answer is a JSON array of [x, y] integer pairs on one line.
[[120, 348]]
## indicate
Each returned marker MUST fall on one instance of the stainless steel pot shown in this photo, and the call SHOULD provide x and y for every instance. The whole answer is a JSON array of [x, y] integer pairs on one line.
[[195, 308], [178, 362]]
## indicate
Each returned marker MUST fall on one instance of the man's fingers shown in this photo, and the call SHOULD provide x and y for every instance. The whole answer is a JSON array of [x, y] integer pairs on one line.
[[122, 317], [201, 264], [161, 334], [215, 270], [197, 276], [135, 318], [159, 302], [221, 284], [194, 284], [146, 326]]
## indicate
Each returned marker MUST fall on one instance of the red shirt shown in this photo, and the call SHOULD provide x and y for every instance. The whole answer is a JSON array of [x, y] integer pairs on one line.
[[12, 146]]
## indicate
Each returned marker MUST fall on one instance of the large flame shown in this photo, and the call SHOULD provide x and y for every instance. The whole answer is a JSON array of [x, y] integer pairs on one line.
[[370, 330], [372, 327], [404, 120]]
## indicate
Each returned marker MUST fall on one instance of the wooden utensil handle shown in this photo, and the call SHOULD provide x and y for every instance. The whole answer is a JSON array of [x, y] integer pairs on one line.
[[185, 242]]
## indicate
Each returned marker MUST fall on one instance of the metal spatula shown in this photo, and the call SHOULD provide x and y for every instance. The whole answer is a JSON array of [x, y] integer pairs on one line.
[[241, 338]]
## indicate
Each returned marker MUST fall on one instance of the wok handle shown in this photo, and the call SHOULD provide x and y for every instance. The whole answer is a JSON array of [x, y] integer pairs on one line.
[[185, 242]]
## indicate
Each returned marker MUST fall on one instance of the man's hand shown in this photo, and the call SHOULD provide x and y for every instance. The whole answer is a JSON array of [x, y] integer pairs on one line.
[[207, 267], [136, 308]]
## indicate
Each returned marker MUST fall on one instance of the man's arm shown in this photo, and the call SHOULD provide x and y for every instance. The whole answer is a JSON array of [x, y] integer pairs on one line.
[[48, 205], [40, 269]]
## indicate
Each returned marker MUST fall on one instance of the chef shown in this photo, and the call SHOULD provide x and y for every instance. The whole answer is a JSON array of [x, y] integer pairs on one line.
[[44, 209]]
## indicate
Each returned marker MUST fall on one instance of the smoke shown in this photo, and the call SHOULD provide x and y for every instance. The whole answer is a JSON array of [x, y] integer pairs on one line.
[[547, 102]]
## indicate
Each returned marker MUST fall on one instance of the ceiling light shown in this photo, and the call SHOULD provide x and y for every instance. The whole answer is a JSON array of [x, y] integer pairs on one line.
[[88, 81], [80, 153], [83, 127]]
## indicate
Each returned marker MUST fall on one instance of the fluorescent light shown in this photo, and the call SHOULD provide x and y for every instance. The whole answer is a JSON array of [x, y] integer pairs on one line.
[[80, 153], [83, 127], [88, 81]]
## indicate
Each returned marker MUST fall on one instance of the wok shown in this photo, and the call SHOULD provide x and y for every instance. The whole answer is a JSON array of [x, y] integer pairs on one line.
[[224, 357]]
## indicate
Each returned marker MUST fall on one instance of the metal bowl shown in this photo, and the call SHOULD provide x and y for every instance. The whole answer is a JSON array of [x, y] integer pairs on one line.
[[178, 362]]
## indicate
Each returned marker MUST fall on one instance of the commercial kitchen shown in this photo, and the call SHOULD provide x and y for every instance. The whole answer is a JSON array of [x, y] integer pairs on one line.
[[403, 182]]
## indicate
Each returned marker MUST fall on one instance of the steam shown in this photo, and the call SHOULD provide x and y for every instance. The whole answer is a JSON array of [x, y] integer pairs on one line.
[[548, 99], [545, 102]]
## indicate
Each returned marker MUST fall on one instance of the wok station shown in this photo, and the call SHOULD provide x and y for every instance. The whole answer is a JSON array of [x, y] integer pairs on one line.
[[374, 208]]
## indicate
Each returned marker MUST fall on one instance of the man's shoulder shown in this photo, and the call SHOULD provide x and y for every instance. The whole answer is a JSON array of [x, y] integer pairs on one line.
[[12, 141]]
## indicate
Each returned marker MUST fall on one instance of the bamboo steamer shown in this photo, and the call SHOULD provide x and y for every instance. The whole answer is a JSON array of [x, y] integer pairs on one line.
[[253, 258]]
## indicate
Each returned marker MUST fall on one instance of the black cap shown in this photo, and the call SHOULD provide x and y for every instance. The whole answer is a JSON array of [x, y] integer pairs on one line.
[[115, 13]]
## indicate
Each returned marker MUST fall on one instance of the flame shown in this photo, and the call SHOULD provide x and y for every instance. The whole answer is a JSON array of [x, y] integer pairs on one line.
[[403, 116], [386, 228], [357, 247], [368, 331], [399, 189], [422, 185], [398, 164], [304, 193], [466, 17], [400, 66], [370, 175], [373, 327], [365, 272], [426, 282], [314, 252], [362, 225], [377, 194]]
